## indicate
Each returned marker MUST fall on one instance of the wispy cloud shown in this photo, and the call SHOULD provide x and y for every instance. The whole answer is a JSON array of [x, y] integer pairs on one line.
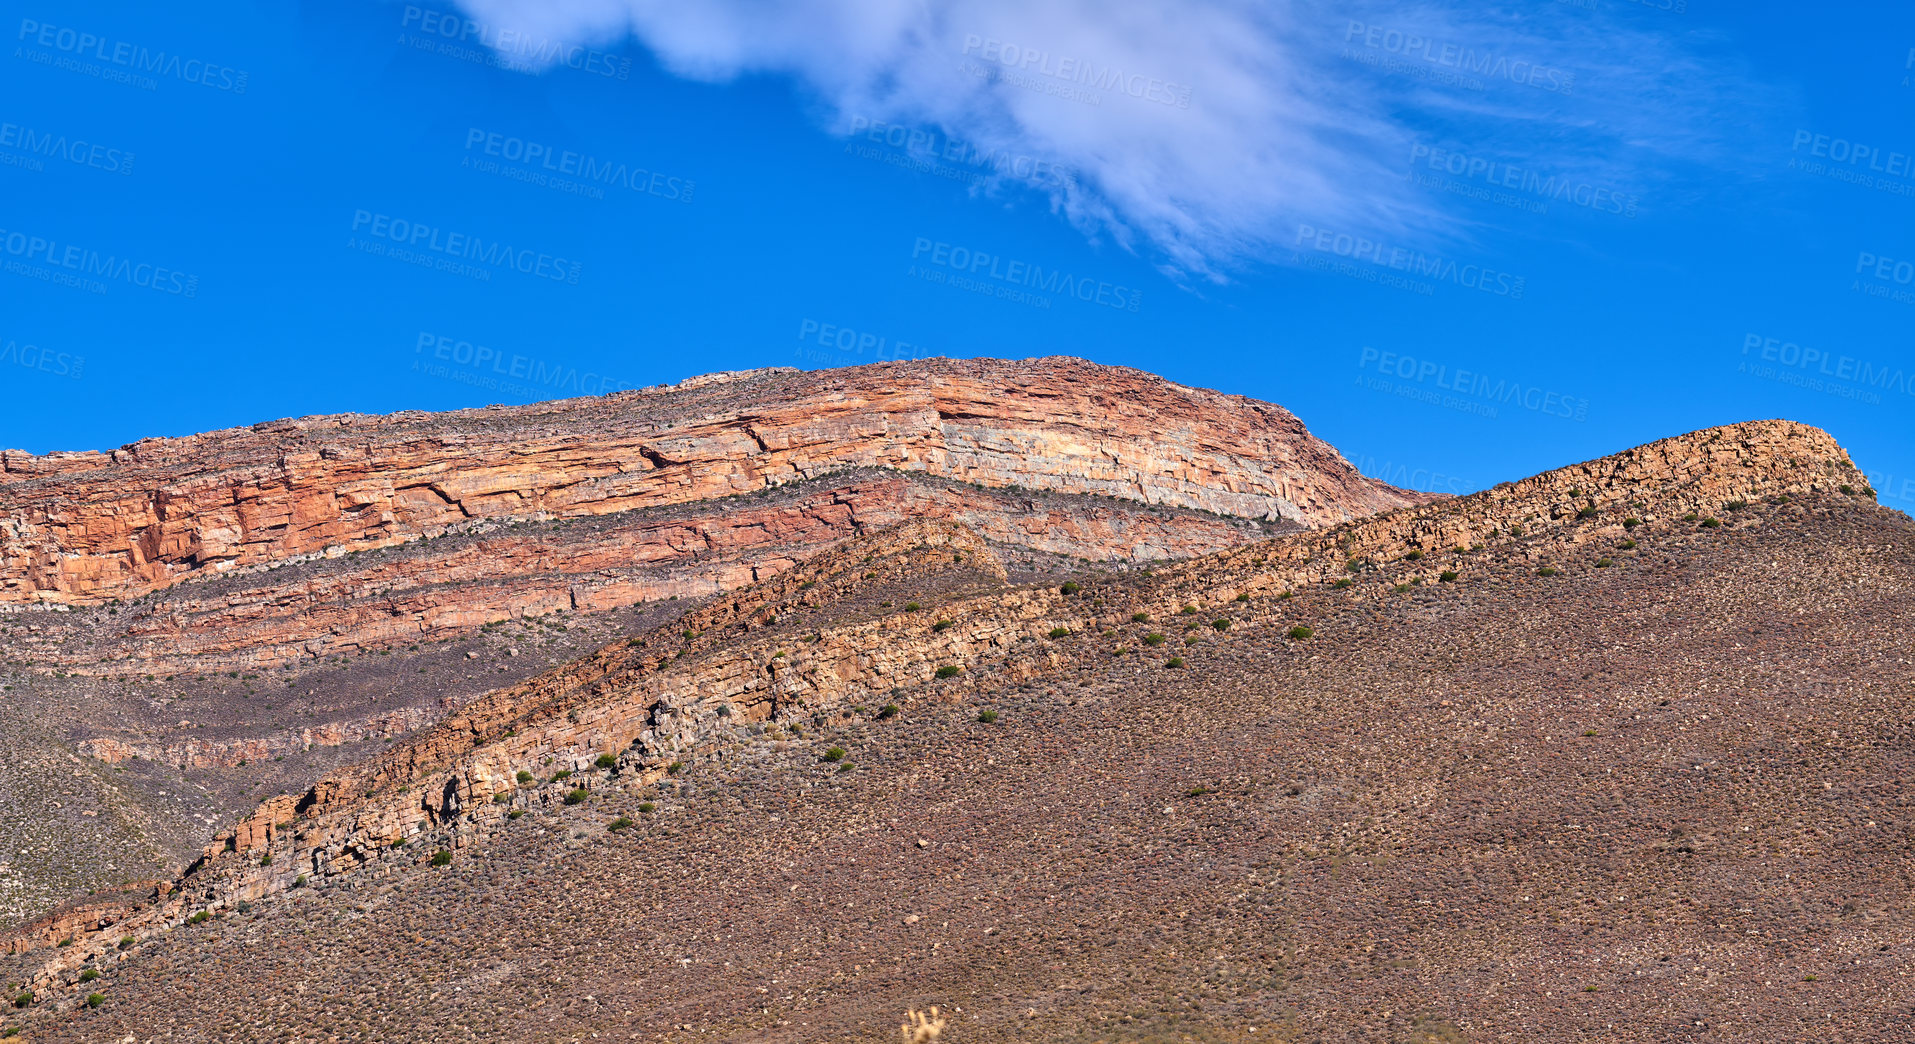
[[1202, 133]]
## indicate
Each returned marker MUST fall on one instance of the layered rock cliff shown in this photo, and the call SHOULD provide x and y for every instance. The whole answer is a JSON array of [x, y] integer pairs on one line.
[[1175, 471]]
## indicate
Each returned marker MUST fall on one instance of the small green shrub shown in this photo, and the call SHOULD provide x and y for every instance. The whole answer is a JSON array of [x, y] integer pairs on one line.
[[1710, 523], [1736, 505], [1188, 610], [1414, 556], [1343, 583], [987, 716], [89, 975], [1243, 596], [442, 858], [1284, 597], [127, 942], [1690, 517], [1301, 632], [23, 999], [1153, 638], [1353, 566], [674, 768], [1588, 512], [515, 813], [833, 754], [1174, 661], [561, 774], [1447, 576], [577, 797], [1402, 589], [300, 881], [941, 625], [1070, 588], [266, 859], [912, 607], [1627, 545], [1547, 571], [1221, 624], [1060, 632], [889, 710], [949, 670], [1631, 522], [1140, 618], [621, 823], [524, 776], [199, 918], [1603, 563], [605, 761], [1846, 488], [647, 807], [94, 1000]]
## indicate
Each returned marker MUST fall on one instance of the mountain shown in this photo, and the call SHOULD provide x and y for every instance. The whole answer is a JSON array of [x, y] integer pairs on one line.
[[192, 622], [1614, 752]]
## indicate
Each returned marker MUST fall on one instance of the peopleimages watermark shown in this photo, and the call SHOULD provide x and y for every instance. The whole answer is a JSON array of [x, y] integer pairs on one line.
[[439, 355], [849, 342], [45, 360], [930, 152], [1884, 277], [562, 170], [1529, 186], [1404, 476], [29, 149], [1049, 73], [471, 40], [1459, 389], [1438, 55], [1857, 163], [997, 276], [430, 246], [121, 61], [1414, 262], [83, 268], [1814, 369]]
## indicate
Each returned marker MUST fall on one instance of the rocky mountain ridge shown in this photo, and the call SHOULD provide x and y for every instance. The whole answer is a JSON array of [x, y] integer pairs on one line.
[[643, 707]]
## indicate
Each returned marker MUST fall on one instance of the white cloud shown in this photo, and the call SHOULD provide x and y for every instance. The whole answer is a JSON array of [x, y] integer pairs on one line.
[[1202, 132]]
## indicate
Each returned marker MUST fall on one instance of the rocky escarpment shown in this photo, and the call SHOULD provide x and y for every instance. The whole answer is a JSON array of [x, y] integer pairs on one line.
[[82, 528], [332, 535], [817, 637]]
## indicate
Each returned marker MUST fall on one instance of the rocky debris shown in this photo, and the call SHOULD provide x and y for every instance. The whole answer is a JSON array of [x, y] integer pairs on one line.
[[806, 641], [1659, 799]]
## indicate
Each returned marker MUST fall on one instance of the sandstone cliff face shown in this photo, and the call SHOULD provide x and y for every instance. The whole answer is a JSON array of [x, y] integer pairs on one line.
[[81, 528], [676, 695]]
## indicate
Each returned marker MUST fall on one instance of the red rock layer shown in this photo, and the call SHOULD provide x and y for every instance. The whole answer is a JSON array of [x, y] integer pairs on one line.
[[88, 527]]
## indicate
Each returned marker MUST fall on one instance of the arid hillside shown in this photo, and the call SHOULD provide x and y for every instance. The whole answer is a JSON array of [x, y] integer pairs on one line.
[[1617, 752], [190, 624]]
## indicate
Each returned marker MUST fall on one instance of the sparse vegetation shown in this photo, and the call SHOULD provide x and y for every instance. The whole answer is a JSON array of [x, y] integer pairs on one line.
[[1070, 588], [442, 858], [987, 716], [1174, 661], [1140, 618], [577, 797], [833, 754], [1300, 632], [949, 670], [1153, 638], [889, 710], [1060, 632], [1448, 576], [621, 823]]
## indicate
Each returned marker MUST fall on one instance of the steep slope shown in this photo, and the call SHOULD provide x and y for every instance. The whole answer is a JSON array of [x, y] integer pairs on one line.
[[1612, 752]]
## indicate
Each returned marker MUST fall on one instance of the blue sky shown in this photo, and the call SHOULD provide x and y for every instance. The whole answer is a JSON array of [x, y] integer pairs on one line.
[[1463, 244]]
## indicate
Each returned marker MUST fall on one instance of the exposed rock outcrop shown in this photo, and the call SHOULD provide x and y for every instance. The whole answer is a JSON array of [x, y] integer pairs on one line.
[[638, 706]]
